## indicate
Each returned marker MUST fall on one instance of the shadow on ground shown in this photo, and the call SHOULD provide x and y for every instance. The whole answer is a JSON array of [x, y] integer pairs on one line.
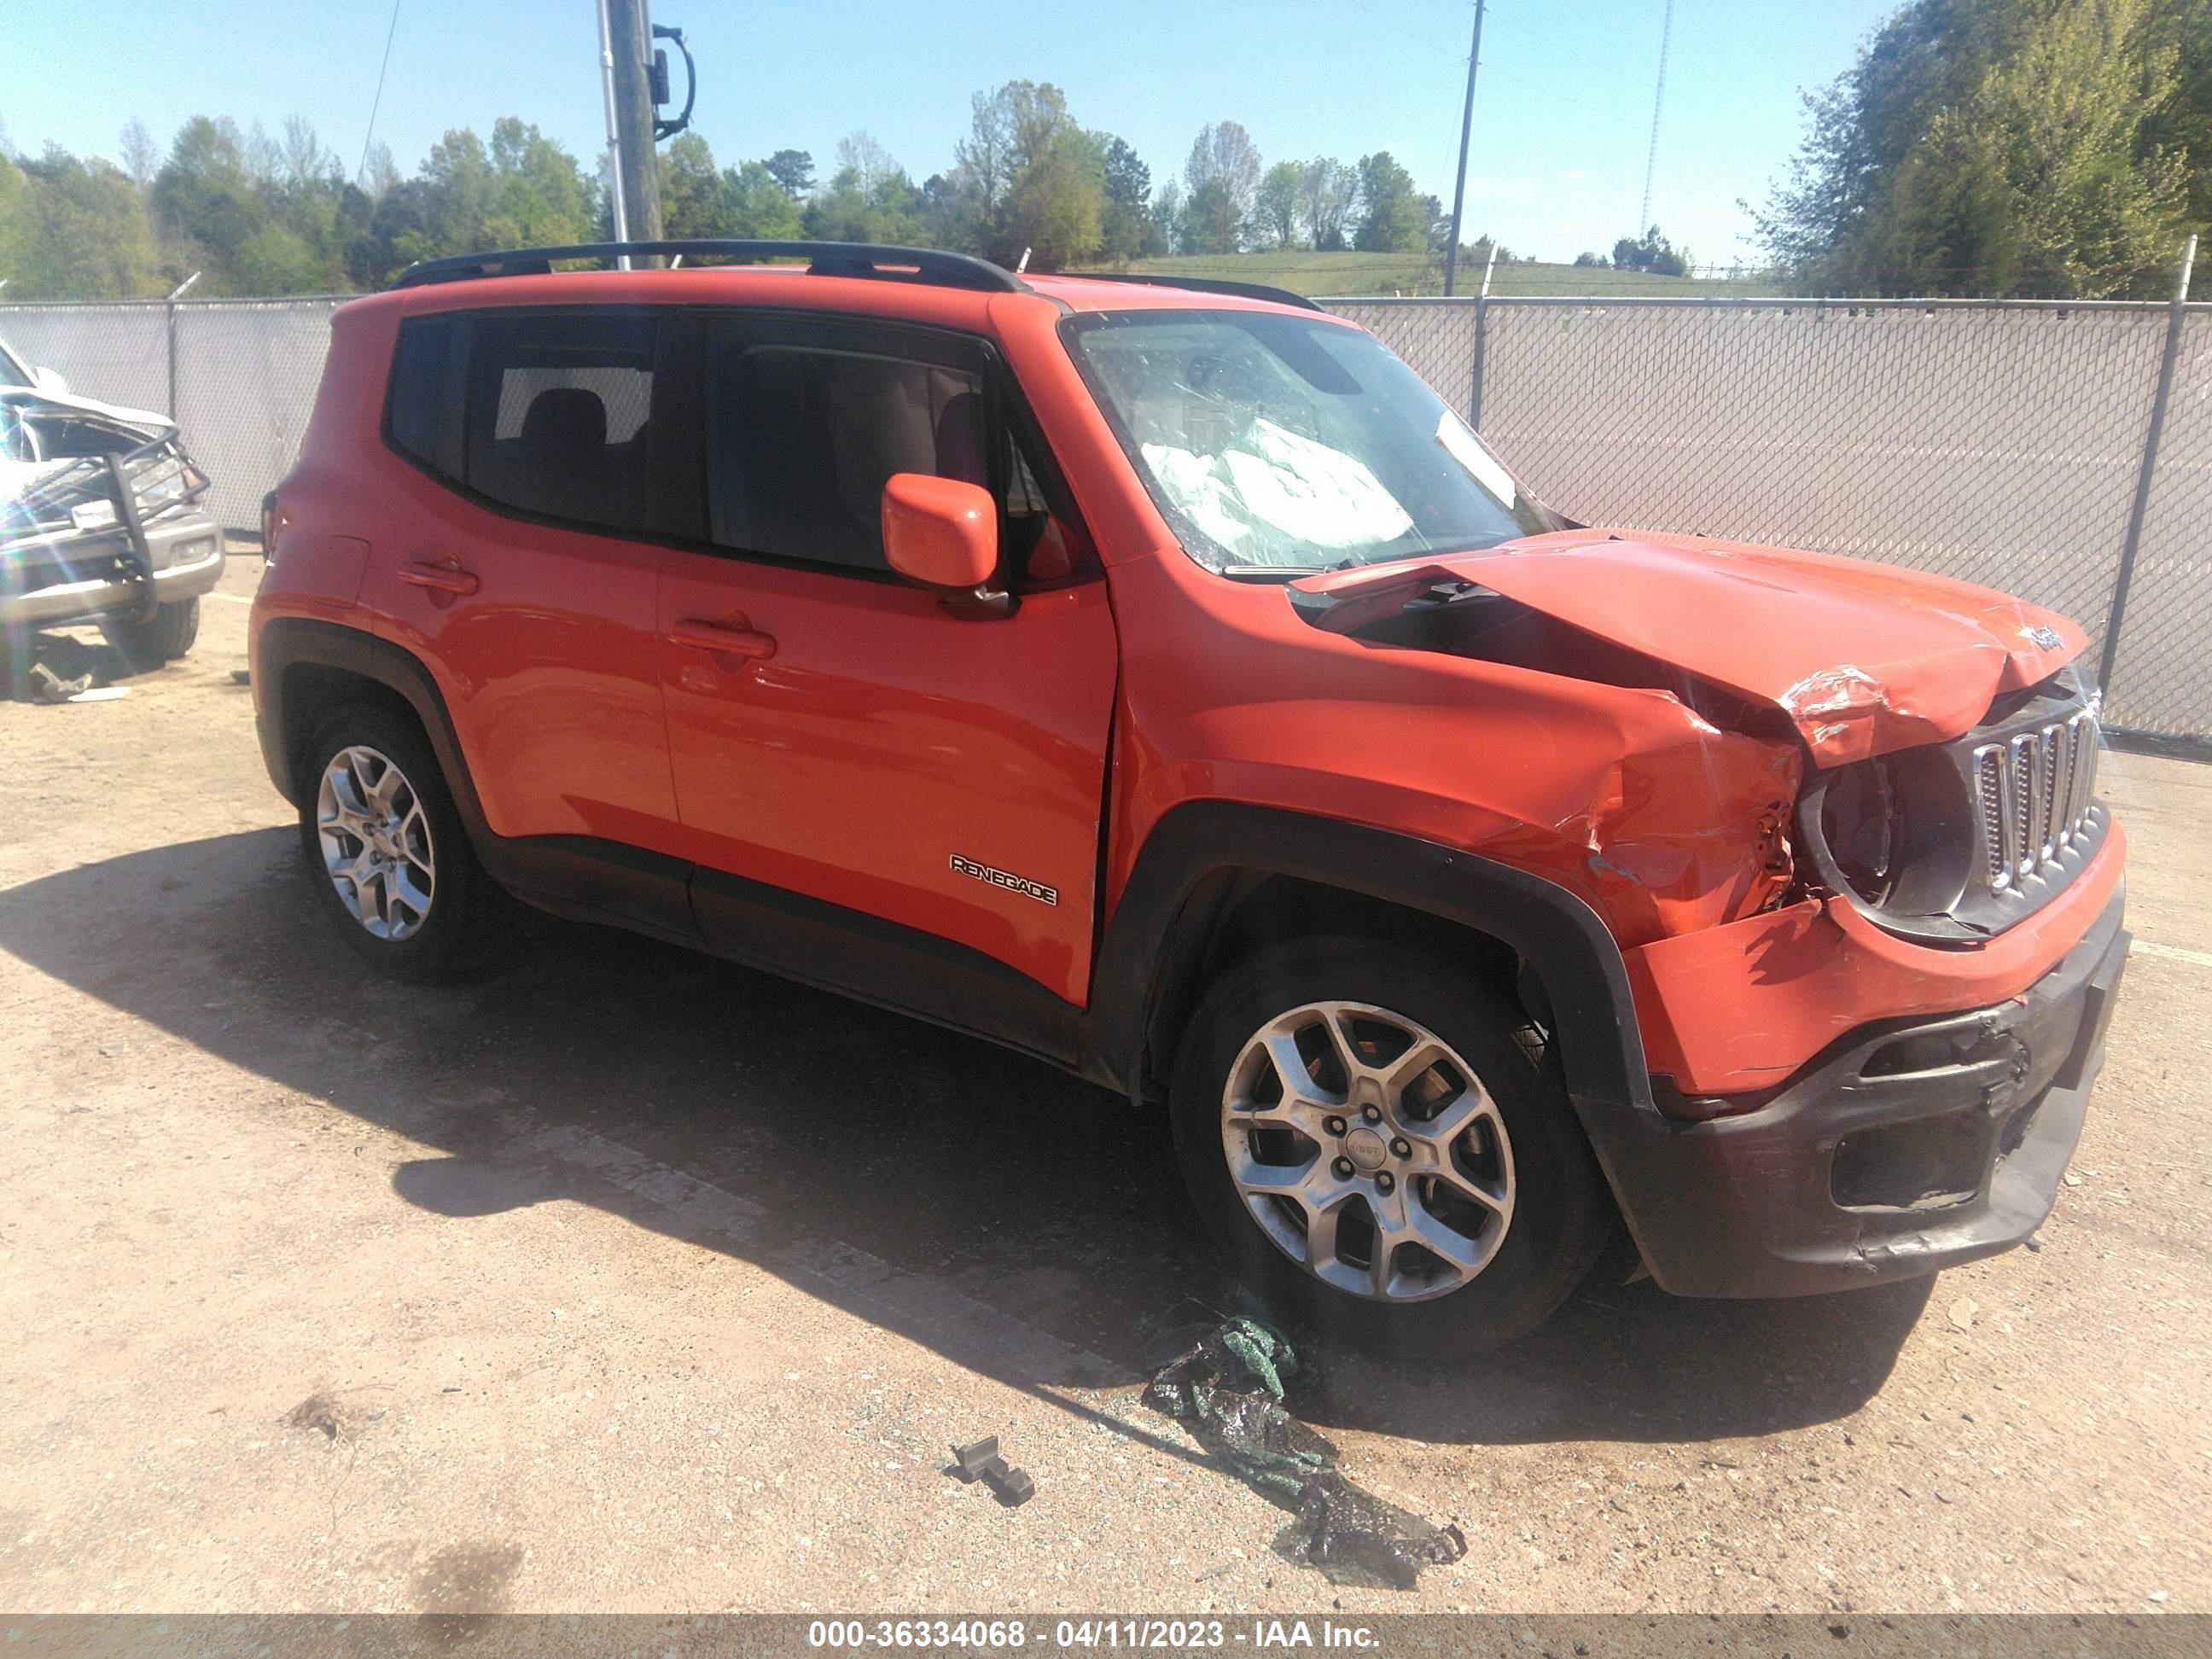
[[993, 1198], [70, 662]]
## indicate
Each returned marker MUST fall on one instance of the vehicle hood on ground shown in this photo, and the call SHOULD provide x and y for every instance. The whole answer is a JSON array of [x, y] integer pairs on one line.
[[1864, 658]]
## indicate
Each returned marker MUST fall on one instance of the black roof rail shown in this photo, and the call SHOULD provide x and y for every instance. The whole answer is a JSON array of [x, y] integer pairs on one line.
[[1281, 296], [869, 259]]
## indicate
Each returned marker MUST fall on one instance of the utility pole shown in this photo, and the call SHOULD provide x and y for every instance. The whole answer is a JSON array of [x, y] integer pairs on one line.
[[1466, 128], [625, 33]]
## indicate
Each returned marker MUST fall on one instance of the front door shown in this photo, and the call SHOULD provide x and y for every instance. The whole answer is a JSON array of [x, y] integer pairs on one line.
[[836, 733]]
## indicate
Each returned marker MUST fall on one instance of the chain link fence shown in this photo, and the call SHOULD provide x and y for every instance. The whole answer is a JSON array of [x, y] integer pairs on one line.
[[238, 375], [1998, 442]]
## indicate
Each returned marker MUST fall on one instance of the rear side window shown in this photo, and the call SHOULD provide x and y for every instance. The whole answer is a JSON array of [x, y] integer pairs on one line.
[[550, 414], [801, 441], [560, 415]]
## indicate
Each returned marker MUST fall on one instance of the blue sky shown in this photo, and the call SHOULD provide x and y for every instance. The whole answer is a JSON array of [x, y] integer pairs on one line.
[[1562, 115]]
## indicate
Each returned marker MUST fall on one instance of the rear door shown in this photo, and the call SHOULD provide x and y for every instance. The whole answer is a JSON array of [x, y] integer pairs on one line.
[[512, 560], [839, 733]]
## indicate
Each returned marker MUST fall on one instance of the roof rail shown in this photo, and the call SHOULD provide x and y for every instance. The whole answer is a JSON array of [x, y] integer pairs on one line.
[[1281, 296], [869, 260]]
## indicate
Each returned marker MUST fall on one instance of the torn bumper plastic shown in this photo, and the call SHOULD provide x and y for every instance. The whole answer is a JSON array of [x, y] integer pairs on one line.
[[1908, 1146]]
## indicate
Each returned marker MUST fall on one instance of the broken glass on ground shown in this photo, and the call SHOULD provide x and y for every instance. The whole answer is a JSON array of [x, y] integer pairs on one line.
[[1227, 1389]]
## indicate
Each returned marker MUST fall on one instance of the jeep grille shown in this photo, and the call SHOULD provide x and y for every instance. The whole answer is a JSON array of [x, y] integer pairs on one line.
[[2034, 792]]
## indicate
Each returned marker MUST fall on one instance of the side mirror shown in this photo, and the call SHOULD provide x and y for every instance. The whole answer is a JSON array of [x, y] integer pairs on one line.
[[940, 531], [48, 381]]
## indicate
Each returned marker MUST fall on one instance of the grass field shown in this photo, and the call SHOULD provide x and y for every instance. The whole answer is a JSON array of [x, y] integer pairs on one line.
[[1305, 272]]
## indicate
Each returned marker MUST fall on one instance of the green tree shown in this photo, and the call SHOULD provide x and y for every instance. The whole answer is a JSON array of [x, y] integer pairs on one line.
[[1651, 252], [692, 203], [539, 195], [2005, 146], [1275, 204], [74, 230], [1025, 179], [1056, 205], [1327, 192], [1221, 176], [206, 206], [1127, 227], [869, 198], [1393, 219], [793, 170], [756, 203]]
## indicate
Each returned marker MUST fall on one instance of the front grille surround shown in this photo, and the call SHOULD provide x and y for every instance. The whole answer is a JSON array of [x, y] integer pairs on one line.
[[1989, 828]]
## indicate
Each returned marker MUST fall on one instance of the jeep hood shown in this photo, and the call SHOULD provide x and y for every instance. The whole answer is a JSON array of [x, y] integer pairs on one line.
[[1864, 658]]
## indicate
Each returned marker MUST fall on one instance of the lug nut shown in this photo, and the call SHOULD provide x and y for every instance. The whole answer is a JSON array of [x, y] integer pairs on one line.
[[1334, 1126], [1385, 1181], [1343, 1168], [1401, 1147], [1372, 1113]]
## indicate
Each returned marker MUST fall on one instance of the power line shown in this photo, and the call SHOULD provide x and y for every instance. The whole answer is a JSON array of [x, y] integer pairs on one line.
[[1658, 98], [377, 102]]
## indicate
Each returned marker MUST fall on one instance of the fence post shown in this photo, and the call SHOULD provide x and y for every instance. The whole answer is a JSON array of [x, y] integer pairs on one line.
[[175, 294], [2175, 319], [1481, 337]]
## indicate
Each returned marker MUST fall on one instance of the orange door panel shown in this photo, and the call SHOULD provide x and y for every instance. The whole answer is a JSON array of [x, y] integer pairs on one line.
[[542, 641], [843, 737]]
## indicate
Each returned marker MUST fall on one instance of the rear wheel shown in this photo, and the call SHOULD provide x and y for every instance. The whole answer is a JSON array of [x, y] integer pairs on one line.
[[166, 635], [387, 852], [1385, 1149]]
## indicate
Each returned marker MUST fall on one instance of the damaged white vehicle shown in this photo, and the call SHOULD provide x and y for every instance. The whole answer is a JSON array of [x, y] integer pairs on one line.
[[101, 520]]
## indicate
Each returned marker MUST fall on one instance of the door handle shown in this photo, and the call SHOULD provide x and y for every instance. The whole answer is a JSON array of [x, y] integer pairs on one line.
[[439, 578], [735, 636]]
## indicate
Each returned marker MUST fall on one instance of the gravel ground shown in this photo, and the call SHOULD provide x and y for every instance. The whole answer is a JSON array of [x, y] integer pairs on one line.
[[623, 1279]]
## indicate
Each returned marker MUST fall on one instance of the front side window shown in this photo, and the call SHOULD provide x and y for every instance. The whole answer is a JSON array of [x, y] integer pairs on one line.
[[1274, 443], [801, 440]]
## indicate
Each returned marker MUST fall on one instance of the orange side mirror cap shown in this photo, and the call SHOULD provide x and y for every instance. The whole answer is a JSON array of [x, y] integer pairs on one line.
[[940, 532]]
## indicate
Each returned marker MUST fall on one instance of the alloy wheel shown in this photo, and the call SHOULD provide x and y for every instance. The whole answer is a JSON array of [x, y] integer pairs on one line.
[[1368, 1151], [376, 844]]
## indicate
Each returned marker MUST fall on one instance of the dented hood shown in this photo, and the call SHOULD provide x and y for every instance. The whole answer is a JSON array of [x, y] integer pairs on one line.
[[1863, 658]]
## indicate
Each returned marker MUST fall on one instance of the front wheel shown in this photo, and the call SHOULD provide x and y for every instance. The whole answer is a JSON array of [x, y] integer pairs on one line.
[[1381, 1146]]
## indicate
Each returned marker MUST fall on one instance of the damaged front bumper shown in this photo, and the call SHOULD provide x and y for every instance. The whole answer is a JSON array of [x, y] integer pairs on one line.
[[1906, 1146]]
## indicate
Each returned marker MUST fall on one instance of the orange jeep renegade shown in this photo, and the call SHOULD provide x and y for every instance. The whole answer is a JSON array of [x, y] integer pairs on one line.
[[1158, 677]]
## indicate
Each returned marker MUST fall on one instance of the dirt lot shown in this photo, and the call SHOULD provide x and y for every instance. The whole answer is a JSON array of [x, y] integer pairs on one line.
[[624, 1280]]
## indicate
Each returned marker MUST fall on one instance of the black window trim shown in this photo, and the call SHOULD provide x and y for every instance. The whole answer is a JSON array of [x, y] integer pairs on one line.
[[1007, 411]]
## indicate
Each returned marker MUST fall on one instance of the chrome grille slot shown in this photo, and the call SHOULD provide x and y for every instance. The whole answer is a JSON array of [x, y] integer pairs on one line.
[[1989, 791], [2033, 793]]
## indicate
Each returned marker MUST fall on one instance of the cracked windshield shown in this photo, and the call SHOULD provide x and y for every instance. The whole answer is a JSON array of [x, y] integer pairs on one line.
[[1272, 443]]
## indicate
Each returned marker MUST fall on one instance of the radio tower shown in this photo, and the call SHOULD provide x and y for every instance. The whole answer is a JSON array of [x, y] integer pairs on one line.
[[1658, 98]]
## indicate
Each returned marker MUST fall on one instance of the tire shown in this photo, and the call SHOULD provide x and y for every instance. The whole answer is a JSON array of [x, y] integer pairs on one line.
[[166, 635], [1507, 1263], [427, 910]]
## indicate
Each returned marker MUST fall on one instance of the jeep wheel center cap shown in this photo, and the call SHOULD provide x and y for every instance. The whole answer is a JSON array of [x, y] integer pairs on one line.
[[1366, 1148]]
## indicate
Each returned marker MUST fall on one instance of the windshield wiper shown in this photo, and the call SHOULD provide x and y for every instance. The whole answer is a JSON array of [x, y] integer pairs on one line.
[[1271, 573]]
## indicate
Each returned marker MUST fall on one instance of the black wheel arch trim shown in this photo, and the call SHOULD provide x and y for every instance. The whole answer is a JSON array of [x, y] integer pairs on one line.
[[289, 642], [1165, 917]]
